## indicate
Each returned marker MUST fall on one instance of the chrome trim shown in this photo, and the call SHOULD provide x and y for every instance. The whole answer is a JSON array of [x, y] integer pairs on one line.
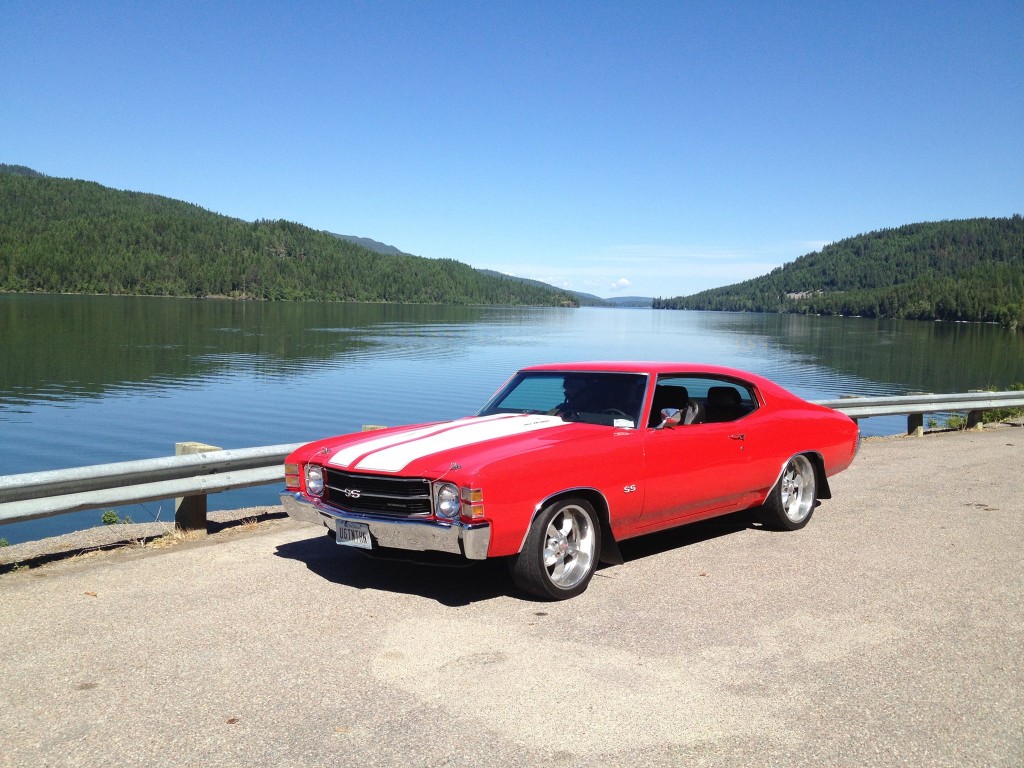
[[298, 508], [456, 537]]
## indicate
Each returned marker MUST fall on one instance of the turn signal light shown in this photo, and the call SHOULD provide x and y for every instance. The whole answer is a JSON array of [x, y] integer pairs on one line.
[[472, 503], [291, 476]]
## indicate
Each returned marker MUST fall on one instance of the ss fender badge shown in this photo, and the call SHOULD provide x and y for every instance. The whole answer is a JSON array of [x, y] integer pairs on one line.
[[629, 489]]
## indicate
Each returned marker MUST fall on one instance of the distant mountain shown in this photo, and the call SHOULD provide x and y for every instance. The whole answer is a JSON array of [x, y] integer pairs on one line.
[[68, 236], [584, 299], [966, 270], [372, 245], [631, 301]]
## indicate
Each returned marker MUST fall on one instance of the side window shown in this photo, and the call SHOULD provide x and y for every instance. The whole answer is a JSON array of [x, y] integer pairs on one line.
[[725, 399], [671, 392], [703, 399]]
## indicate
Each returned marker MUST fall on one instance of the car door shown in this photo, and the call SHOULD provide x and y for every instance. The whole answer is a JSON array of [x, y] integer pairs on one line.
[[699, 469]]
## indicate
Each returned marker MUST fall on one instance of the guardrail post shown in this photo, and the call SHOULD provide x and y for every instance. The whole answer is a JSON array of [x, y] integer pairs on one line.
[[915, 421], [190, 511], [974, 420]]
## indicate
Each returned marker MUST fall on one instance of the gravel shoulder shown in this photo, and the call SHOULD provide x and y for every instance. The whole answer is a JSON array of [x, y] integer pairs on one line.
[[102, 538]]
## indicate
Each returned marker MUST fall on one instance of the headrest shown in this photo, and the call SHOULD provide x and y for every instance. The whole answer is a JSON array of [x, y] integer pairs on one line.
[[672, 392], [723, 396]]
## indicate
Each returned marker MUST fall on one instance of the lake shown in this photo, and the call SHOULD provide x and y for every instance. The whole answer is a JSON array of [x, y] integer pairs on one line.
[[95, 379]]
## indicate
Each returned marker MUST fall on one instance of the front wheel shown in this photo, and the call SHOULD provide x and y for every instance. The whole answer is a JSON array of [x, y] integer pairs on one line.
[[791, 503], [561, 551]]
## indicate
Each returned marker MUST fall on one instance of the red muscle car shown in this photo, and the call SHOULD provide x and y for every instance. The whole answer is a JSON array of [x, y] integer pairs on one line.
[[567, 460]]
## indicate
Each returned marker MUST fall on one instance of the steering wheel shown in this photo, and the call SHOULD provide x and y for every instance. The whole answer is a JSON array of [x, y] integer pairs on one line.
[[615, 412]]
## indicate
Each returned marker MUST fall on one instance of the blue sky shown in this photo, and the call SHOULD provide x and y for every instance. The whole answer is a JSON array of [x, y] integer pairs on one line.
[[641, 148]]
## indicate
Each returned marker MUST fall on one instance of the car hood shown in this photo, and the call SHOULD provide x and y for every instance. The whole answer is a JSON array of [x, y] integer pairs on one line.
[[414, 449]]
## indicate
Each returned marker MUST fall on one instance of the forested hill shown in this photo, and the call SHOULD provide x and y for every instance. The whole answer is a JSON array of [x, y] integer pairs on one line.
[[67, 236], [582, 299], [949, 270]]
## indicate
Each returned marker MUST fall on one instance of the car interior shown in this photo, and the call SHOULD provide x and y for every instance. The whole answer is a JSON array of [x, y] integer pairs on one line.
[[701, 401]]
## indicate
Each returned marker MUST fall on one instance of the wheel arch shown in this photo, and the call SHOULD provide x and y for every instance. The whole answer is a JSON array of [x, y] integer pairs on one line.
[[609, 553], [822, 490]]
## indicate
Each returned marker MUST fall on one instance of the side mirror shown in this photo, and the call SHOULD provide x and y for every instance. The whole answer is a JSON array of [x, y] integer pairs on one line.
[[670, 417]]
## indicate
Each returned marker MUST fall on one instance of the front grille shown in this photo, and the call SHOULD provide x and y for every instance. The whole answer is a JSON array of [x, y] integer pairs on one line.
[[377, 494]]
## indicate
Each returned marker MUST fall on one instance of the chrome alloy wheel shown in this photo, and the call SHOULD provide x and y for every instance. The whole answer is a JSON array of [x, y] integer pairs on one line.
[[797, 487], [569, 547]]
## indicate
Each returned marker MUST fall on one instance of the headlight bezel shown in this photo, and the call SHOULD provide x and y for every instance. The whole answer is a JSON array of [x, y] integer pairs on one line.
[[314, 479], [447, 501]]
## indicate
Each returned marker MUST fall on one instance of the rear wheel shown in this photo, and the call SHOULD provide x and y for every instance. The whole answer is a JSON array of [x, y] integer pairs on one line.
[[561, 551], [791, 503]]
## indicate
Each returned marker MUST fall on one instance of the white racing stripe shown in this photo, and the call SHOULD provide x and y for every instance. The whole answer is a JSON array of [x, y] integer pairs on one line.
[[346, 456], [457, 434]]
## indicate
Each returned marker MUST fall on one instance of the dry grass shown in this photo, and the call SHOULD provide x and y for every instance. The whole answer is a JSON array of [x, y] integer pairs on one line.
[[175, 536], [250, 524]]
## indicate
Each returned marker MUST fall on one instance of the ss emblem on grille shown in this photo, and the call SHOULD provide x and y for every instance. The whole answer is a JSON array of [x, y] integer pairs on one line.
[[351, 493]]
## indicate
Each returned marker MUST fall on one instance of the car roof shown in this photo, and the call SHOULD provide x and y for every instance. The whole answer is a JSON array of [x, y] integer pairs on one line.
[[658, 367], [641, 366]]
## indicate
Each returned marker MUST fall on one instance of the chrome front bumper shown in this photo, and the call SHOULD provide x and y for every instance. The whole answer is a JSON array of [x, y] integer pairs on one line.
[[468, 539]]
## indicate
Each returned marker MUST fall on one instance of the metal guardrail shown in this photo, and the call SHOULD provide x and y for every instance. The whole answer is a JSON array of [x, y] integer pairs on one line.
[[915, 406], [42, 494]]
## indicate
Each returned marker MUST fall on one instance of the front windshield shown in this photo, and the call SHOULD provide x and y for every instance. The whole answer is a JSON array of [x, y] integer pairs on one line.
[[613, 399]]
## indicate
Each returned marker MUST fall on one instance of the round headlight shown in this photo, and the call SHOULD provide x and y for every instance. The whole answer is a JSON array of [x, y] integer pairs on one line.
[[314, 480], [448, 502]]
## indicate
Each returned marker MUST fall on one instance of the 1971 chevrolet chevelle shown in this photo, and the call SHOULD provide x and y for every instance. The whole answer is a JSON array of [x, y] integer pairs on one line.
[[567, 460]]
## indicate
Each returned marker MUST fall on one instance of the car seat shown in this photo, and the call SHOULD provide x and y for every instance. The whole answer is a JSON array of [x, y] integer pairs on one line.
[[724, 404]]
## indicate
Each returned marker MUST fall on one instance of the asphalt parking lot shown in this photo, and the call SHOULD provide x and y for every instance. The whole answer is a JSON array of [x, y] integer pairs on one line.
[[888, 632]]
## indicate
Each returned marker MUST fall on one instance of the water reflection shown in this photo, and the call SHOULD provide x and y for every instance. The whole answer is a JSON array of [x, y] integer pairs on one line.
[[58, 349], [898, 356]]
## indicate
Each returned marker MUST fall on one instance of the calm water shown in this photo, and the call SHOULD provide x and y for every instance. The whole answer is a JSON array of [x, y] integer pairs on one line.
[[89, 380]]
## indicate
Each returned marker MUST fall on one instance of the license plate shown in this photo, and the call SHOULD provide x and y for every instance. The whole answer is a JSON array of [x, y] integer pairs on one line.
[[353, 534]]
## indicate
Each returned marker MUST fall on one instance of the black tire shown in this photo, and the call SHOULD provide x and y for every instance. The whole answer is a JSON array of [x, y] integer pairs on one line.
[[791, 503], [561, 551]]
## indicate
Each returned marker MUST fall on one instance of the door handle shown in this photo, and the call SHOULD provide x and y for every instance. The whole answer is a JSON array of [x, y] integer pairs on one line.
[[737, 437]]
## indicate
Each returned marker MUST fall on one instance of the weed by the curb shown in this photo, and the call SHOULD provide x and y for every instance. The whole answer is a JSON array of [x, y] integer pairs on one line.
[[110, 517]]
